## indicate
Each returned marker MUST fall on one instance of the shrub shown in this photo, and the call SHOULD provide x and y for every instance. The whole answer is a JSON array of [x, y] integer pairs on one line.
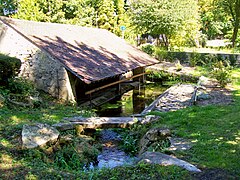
[[160, 53], [9, 67], [221, 72], [148, 48], [75, 157], [20, 86]]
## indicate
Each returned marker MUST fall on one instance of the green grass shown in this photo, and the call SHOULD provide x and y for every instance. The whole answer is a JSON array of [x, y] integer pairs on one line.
[[213, 130], [24, 164]]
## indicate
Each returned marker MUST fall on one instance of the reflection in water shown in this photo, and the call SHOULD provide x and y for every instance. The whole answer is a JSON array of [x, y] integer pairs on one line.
[[138, 100], [132, 102]]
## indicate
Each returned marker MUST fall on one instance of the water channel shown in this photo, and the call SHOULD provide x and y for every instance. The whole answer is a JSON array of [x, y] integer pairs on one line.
[[132, 102]]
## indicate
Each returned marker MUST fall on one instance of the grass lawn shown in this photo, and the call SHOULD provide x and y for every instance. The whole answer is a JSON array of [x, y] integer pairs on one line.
[[213, 130]]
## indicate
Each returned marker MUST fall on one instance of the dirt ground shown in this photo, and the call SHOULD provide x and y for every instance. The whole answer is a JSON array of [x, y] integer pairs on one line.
[[214, 174], [217, 96]]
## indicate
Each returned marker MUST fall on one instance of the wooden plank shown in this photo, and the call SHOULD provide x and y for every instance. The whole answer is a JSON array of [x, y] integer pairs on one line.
[[114, 83]]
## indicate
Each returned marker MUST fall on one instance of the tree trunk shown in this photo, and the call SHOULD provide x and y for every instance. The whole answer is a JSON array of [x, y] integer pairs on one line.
[[236, 24], [235, 32]]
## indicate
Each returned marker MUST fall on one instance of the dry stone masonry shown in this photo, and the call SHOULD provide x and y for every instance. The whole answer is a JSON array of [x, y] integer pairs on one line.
[[39, 67], [177, 97]]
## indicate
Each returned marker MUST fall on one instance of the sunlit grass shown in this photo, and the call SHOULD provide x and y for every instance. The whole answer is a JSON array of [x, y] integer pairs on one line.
[[213, 130]]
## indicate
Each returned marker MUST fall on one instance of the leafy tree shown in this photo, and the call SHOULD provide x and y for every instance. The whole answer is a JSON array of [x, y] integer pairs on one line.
[[215, 21], [120, 15], [80, 12], [106, 14], [167, 17], [232, 7], [52, 9], [8, 7], [29, 10]]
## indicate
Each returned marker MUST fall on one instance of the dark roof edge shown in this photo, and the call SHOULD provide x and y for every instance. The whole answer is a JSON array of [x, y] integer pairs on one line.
[[2, 19]]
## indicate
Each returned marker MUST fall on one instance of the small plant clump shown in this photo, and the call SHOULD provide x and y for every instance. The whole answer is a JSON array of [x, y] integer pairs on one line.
[[221, 72], [194, 59], [178, 66]]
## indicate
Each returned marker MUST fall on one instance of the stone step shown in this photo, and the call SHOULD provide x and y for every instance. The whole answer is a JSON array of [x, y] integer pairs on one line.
[[97, 122]]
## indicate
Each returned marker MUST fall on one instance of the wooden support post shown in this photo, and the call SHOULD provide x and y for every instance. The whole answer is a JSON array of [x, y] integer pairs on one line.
[[90, 96], [119, 89], [144, 77], [139, 85]]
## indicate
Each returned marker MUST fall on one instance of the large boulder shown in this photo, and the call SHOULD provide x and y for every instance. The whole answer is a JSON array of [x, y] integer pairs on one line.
[[166, 160], [38, 135], [153, 135]]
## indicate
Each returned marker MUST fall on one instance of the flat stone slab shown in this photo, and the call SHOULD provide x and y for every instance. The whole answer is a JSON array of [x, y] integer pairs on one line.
[[38, 135], [98, 122], [166, 160]]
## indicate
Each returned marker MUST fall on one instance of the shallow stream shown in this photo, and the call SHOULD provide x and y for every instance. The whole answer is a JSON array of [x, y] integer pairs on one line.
[[132, 102], [111, 155]]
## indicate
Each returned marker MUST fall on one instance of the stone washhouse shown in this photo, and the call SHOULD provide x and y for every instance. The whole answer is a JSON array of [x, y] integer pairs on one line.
[[70, 62]]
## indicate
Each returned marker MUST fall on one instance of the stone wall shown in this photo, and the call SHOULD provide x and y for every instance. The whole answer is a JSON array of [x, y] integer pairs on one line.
[[185, 57], [46, 73]]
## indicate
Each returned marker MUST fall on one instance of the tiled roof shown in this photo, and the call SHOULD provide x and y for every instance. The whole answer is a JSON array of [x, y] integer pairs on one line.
[[91, 54]]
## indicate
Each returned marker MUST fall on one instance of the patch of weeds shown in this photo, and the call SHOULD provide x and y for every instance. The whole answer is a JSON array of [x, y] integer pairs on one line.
[[69, 159], [160, 146], [131, 138], [160, 76], [130, 144], [194, 59], [75, 156], [138, 172]]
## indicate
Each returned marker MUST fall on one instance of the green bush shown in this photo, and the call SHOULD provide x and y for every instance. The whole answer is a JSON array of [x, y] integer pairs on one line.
[[148, 48], [160, 53], [221, 72], [69, 159], [9, 67], [20, 86]]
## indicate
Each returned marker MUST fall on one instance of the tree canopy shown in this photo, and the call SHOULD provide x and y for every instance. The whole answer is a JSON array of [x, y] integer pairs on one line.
[[181, 22], [169, 17]]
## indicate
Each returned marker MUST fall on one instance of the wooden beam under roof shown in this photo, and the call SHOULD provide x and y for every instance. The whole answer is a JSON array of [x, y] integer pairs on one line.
[[114, 83]]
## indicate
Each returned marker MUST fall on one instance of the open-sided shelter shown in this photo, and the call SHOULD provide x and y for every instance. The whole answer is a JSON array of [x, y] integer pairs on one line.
[[70, 61]]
